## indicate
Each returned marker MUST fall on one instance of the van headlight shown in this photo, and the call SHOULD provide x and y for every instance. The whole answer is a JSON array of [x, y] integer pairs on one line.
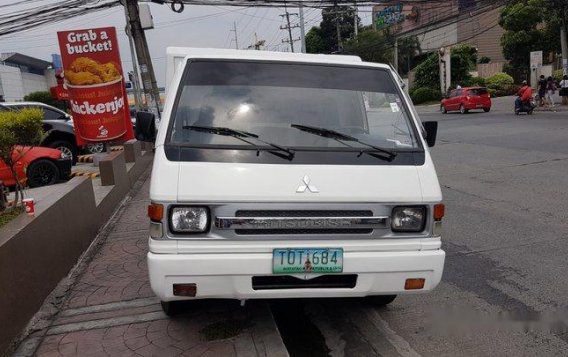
[[189, 219], [408, 219]]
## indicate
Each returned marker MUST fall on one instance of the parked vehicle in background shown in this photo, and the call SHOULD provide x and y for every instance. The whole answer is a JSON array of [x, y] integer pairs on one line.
[[285, 175], [466, 99], [57, 124], [39, 167]]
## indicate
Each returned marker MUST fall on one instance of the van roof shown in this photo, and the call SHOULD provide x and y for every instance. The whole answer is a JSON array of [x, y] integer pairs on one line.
[[193, 52]]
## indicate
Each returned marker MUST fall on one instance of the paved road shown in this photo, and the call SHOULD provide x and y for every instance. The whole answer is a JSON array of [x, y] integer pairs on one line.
[[503, 293], [504, 287]]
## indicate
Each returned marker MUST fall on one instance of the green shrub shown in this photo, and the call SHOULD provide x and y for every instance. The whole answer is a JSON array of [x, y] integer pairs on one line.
[[428, 72], [17, 129], [557, 75], [46, 98], [475, 82], [423, 94], [492, 92], [484, 59], [499, 81]]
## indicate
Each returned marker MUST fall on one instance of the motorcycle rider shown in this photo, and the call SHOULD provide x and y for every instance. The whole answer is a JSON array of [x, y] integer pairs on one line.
[[524, 95]]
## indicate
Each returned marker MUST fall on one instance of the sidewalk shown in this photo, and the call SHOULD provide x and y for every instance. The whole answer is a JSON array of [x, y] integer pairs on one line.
[[110, 310]]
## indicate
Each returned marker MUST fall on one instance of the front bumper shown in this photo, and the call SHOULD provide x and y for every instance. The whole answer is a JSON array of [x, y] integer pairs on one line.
[[229, 275], [64, 167]]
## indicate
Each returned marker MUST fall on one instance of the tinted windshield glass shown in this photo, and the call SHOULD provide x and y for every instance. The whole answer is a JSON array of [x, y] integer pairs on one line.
[[478, 91], [267, 98]]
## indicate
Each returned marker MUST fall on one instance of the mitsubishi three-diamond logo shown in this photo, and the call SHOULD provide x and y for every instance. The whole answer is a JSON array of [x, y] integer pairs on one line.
[[306, 185]]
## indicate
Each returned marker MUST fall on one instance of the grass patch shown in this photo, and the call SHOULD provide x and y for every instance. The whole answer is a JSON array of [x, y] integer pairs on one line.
[[224, 329], [9, 214]]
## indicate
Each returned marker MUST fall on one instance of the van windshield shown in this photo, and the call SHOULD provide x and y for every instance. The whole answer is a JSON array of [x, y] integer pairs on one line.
[[269, 98]]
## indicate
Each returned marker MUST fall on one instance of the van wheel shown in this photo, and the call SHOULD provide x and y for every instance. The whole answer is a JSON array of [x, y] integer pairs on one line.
[[443, 109], [381, 300], [170, 308], [462, 109]]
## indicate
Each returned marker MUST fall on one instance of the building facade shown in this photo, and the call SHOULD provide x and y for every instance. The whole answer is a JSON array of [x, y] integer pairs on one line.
[[21, 75], [444, 23]]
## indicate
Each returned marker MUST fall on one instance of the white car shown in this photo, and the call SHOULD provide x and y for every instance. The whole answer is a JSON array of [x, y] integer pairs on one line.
[[280, 175]]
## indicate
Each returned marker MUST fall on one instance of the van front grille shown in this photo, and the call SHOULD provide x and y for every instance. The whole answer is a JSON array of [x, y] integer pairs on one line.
[[303, 213]]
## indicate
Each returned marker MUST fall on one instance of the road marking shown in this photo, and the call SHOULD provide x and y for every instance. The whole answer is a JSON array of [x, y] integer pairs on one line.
[[109, 307], [399, 343], [105, 323]]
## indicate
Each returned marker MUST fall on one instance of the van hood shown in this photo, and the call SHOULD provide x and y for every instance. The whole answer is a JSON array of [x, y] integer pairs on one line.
[[206, 182], [293, 183]]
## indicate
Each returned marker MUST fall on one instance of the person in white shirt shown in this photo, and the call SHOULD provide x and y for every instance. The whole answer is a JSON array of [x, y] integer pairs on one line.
[[564, 89]]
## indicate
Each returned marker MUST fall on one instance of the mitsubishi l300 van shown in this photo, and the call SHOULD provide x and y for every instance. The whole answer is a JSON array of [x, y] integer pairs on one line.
[[281, 175]]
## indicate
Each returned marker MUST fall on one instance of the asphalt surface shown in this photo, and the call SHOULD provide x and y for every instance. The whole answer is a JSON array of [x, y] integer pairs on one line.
[[503, 292]]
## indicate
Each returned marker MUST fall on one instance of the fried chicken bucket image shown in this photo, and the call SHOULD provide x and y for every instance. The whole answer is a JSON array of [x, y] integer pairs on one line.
[[97, 98]]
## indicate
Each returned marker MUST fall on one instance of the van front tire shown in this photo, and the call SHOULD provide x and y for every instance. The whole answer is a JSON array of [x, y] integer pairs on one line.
[[380, 300], [170, 308]]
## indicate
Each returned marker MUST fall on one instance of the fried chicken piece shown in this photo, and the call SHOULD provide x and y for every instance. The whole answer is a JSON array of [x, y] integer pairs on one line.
[[85, 64], [82, 78], [109, 72]]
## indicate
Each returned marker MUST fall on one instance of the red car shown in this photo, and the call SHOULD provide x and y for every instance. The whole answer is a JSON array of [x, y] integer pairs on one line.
[[39, 166], [466, 99]]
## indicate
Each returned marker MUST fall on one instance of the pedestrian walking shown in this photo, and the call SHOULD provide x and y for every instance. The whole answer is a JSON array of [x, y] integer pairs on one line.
[[564, 90], [550, 91], [541, 89]]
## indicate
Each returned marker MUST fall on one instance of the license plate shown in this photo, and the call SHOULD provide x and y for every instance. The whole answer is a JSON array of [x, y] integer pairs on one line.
[[309, 260]]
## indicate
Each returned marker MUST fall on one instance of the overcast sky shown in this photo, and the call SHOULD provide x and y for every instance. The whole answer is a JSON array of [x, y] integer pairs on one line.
[[197, 26]]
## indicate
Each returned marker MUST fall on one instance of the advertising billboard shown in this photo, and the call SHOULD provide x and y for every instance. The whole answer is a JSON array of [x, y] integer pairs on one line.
[[95, 85]]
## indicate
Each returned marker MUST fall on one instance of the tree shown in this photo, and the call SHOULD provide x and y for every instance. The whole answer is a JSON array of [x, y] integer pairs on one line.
[[408, 49], [464, 59], [17, 130], [46, 98], [428, 72], [324, 38], [530, 25], [371, 46], [315, 42]]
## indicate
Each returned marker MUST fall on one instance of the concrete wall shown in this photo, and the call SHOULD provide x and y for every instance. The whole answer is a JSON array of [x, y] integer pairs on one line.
[[36, 253], [483, 31], [33, 83], [11, 82]]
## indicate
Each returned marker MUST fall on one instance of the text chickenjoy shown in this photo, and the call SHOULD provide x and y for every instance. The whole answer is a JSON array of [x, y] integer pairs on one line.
[[87, 108], [88, 42]]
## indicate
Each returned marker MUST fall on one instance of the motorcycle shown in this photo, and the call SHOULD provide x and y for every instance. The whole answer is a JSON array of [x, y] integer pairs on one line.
[[526, 107]]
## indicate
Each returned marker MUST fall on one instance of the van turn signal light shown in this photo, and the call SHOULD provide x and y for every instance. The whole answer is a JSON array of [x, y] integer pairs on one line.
[[156, 212], [414, 284], [439, 211], [185, 290]]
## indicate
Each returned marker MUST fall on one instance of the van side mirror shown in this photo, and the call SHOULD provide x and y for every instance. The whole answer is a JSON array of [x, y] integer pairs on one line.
[[145, 127], [431, 128]]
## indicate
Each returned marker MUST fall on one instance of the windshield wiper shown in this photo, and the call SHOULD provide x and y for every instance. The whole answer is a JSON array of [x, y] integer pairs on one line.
[[240, 134], [332, 134]]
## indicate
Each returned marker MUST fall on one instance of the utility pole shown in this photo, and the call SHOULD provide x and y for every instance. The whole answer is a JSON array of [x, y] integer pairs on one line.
[[355, 22], [135, 76], [289, 28], [395, 59], [236, 38], [339, 45], [257, 43], [302, 28], [564, 47], [149, 83]]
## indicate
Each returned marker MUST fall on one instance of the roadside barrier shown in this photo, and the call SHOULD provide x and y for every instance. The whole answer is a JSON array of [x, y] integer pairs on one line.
[[85, 158], [84, 173]]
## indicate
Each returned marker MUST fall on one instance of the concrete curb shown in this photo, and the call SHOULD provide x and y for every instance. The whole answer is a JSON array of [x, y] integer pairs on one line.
[[37, 252]]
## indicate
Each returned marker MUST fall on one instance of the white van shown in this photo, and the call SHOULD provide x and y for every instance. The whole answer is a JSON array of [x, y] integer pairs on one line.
[[282, 175]]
